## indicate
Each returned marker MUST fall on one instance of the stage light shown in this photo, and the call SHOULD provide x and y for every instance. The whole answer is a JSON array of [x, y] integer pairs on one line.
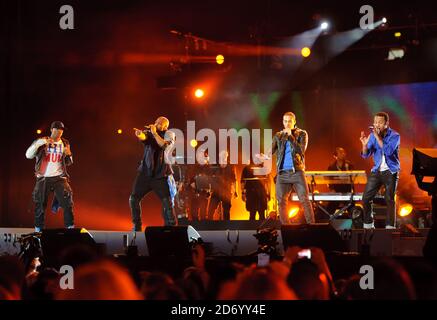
[[384, 20], [405, 210], [220, 59], [305, 52], [193, 143], [38, 131], [395, 53], [199, 93], [293, 212], [119, 131], [324, 25], [398, 34]]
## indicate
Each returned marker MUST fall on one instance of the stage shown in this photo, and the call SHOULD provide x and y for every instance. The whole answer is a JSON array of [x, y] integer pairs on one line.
[[236, 239]]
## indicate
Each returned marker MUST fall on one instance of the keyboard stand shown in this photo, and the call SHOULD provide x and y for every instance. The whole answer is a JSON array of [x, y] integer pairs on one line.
[[340, 212], [349, 205], [314, 203]]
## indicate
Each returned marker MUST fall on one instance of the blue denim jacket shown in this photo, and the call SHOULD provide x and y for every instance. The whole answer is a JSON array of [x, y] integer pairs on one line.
[[390, 147]]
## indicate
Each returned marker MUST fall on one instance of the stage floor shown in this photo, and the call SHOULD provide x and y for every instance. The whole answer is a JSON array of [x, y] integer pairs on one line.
[[241, 241]]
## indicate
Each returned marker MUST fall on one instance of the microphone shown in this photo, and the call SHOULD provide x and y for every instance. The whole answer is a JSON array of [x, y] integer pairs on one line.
[[147, 128], [375, 130]]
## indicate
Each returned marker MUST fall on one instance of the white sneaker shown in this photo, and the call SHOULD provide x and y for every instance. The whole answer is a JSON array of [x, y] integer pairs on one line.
[[369, 225], [70, 227], [390, 227]]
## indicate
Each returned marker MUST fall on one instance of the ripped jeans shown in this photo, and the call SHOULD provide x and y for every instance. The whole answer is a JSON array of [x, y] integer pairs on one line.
[[63, 193]]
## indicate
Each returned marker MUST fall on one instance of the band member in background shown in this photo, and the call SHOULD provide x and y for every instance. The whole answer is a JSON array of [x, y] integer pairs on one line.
[[383, 144], [340, 164], [155, 172], [198, 194], [53, 155], [255, 191], [290, 145], [224, 188]]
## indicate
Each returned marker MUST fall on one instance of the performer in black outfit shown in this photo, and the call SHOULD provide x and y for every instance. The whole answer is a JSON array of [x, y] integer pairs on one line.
[[255, 191], [198, 194], [154, 172], [224, 187]]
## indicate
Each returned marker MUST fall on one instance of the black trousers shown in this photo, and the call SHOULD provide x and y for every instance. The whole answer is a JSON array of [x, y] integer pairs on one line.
[[142, 186], [63, 193], [374, 183], [214, 201], [199, 206], [256, 202]]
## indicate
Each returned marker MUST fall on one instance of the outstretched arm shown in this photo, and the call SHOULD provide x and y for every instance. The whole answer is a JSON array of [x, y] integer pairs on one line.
[[269, 153], [140, 134]]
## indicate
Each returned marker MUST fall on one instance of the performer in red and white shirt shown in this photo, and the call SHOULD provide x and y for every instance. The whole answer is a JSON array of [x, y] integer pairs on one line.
[[52, 155]]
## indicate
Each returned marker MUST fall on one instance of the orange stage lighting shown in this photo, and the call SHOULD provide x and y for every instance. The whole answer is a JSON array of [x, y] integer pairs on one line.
[[405, 210], [199, 93], [294, 210], [220, 59], [38, 131], [119, 131], [193, 143]]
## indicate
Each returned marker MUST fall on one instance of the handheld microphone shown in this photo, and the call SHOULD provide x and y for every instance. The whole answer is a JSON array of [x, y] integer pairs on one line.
[[147, 128], [144, 131], [373, 129], [288, 134]]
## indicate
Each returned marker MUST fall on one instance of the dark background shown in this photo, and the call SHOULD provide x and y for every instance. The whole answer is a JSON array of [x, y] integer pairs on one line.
[[116, 69]]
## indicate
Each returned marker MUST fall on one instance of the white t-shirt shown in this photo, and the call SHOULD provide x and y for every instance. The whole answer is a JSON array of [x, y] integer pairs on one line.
[[383, 166], [51, 165]]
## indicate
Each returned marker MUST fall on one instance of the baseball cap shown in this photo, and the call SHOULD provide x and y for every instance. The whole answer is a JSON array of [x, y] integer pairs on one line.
[[57, 125]]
